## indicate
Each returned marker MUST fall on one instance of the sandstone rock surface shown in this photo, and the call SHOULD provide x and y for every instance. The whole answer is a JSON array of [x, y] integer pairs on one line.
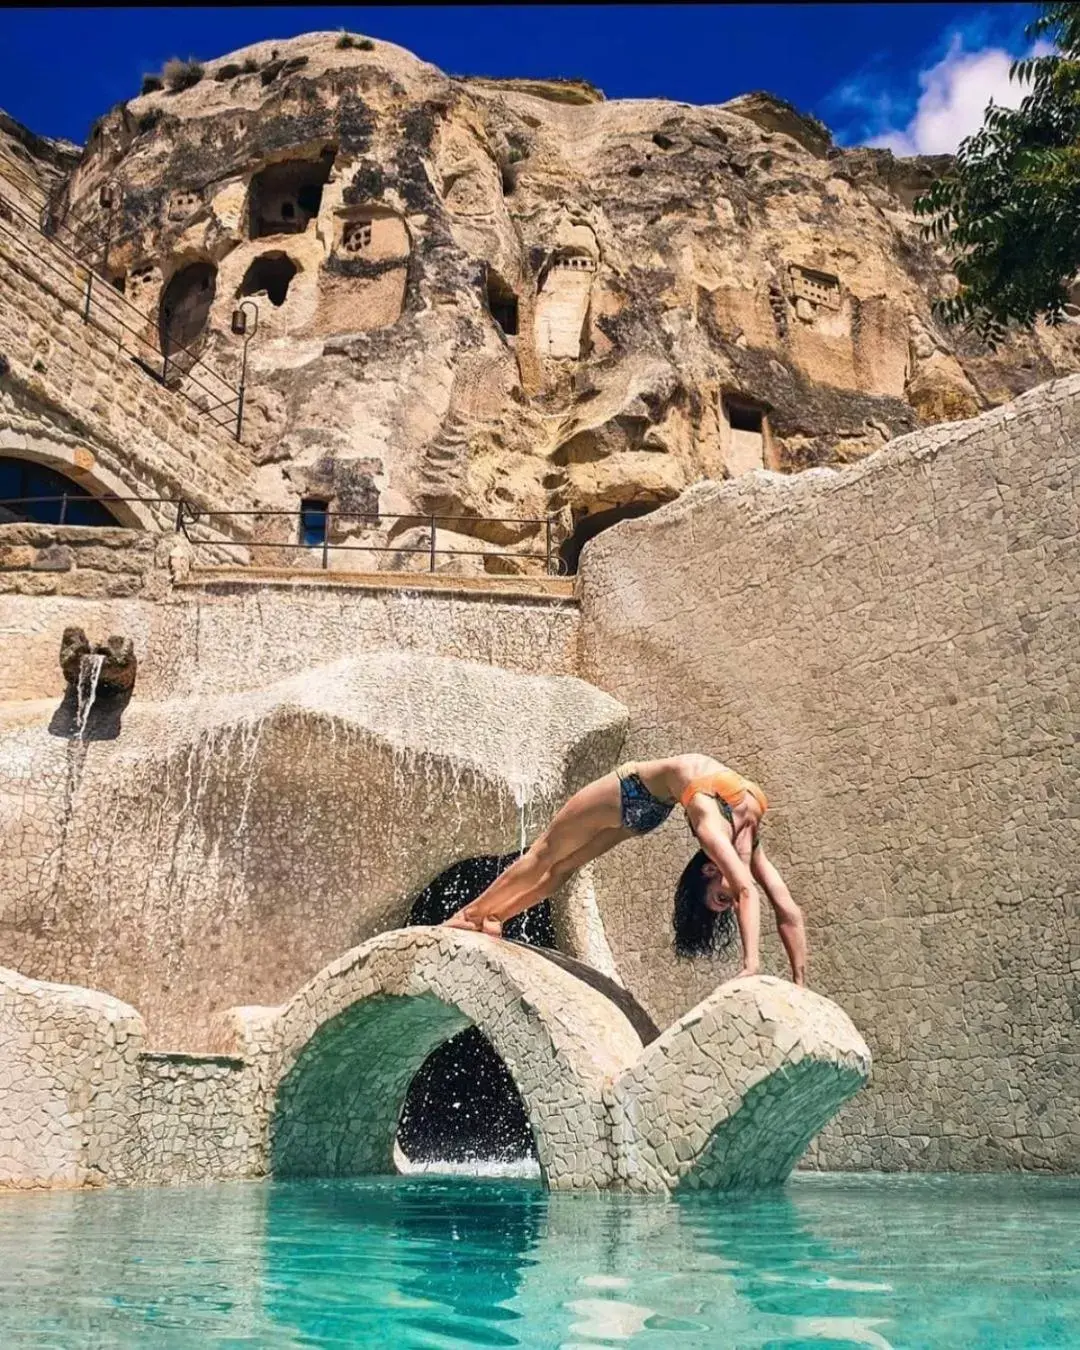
[[516, 299]]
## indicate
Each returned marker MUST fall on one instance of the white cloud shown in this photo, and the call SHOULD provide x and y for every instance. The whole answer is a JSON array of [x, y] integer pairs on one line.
[[931, 111], [954, 97]]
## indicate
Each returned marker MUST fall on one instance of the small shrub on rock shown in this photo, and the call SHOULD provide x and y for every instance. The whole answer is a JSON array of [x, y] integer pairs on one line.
[[180, 75], [151, 84], [362, 44]]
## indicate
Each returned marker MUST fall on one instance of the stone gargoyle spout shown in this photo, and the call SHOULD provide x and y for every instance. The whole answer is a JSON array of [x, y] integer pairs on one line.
[[119, 665]]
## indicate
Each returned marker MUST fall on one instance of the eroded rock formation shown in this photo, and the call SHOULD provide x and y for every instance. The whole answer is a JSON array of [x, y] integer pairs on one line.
[[513, 298]]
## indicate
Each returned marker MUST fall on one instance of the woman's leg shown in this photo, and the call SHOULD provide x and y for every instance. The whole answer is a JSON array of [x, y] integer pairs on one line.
[[551, 881], [595, 810]]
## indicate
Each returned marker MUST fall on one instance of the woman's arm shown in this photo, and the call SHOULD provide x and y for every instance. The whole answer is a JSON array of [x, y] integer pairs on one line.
[[711, 829], [789, 917]]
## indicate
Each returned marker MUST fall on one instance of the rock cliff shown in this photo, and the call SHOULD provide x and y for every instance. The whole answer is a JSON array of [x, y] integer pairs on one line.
[[513, 298]]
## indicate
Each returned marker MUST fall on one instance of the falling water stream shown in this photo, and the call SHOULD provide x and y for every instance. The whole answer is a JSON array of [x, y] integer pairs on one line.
[[86, 691]]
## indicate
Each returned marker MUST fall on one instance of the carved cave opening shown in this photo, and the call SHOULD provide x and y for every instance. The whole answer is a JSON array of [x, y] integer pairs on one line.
[[744, 417], [284, 197], [501, 301], [463, 1103], [185, 307], [587, 525], [272, 273], [22, 478]]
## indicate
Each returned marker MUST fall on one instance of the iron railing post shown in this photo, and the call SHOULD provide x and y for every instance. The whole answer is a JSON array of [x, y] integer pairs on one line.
[[63, 509], [326, 540], [89, 288], [547, 562], [179, 514], [431, 567]]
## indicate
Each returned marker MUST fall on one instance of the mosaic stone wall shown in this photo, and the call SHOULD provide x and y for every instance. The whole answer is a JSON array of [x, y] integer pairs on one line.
[[728, 1097], [198, 852], [890, 650], [220, 637]]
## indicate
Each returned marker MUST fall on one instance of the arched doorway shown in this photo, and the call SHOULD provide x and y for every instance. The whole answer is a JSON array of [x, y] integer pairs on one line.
[[462, 1103], [24, 484], [185, 308], [587, 525]]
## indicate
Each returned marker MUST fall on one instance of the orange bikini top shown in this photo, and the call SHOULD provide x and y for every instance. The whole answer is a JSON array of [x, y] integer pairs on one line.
[[728, 785]]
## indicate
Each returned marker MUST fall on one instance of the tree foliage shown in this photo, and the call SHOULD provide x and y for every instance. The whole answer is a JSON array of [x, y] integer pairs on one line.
[[1009, 209]]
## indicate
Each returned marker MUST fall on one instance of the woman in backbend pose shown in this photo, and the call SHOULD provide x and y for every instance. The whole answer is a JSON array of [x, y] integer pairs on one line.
[[721, 880]]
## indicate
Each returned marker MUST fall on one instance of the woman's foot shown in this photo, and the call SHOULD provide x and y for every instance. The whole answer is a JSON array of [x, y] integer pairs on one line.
[[492, 927], [459, 920]]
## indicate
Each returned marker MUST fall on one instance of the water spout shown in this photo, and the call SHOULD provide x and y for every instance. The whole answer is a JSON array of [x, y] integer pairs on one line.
[[86, 690]]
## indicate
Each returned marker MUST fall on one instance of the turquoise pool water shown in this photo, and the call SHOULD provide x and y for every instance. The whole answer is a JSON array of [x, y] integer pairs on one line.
[[829, 1261]]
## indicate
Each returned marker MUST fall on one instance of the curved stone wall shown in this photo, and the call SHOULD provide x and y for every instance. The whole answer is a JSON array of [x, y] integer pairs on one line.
[[730, 1096], [727, 1098], [196, 853], [890, 651]]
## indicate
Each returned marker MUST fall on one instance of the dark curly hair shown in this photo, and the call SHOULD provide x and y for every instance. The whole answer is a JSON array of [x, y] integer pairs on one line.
[[699, 931]]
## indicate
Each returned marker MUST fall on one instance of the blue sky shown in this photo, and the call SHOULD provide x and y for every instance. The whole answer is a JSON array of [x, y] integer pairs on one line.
[[915, 77]]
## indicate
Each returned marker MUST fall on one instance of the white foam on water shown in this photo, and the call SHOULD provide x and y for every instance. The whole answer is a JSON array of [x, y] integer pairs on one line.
[[520, 1168]]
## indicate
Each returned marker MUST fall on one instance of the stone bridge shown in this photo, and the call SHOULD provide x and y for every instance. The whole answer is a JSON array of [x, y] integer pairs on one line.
[[728, 1097]]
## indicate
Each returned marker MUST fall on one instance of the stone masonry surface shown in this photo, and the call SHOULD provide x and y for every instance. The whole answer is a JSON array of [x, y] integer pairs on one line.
[[727, 1098], [220, 638], [72, 399], [890, 650]]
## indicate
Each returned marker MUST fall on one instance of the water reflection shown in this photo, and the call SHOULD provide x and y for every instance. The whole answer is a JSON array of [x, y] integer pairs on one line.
[[421, 1261]]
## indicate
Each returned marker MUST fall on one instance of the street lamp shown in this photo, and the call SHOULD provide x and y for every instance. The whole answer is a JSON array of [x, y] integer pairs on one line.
[[242, 328]]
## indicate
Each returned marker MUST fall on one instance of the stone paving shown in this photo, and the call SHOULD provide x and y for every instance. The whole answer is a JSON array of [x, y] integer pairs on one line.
[[728, 1097]]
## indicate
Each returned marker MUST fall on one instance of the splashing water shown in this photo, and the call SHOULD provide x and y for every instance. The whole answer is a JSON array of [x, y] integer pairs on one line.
[[86, 691]]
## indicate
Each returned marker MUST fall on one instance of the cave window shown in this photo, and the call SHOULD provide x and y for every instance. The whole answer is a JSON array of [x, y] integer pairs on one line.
[[284, 197], [313, 517], [22, 478], [820, 288], [588, 525], [462, 1103], [502, 303], [272, 273], [744, 417], [356, 236], [185, 306]]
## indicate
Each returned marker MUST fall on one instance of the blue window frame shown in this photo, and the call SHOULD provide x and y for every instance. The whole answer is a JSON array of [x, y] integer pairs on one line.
[[313, 511], [22, 478]]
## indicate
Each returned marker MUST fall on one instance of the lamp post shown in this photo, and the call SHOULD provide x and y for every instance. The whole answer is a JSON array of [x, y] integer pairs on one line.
[[242, 328], [110, 195]]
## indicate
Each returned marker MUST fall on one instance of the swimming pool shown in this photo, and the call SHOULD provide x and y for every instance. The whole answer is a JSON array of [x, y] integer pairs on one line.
[[828, 1261]]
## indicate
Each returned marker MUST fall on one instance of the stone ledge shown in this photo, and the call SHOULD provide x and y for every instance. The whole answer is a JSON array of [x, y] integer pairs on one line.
[[560, 589]]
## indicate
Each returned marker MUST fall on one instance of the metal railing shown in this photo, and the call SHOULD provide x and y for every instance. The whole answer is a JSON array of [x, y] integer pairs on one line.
[[187, 515], [323, 547], [182, 370]]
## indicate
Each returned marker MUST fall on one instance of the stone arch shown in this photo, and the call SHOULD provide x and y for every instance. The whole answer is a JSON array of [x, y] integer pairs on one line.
[[83, 470], [587, 525], [343, 1052], [729, 1097], [462, 1101], [185, 308]]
